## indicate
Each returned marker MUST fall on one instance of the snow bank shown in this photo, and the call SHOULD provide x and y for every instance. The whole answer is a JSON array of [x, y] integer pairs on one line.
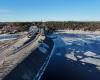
[[7, 39], [4, 37], [19, 43], [79, 32]]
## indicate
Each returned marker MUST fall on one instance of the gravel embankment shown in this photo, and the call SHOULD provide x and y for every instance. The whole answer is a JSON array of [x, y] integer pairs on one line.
[[29, 67], [8, 63]]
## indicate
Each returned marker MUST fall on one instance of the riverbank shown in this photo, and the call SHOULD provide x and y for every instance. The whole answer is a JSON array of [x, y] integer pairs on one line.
[[8, 63], [28, 69], [78, 32]]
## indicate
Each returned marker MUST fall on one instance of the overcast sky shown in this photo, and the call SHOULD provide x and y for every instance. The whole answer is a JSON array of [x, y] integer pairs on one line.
[[49, 10]]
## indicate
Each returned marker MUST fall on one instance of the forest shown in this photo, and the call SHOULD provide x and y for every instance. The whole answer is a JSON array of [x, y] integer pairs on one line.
[[51, 25], [91, 26]]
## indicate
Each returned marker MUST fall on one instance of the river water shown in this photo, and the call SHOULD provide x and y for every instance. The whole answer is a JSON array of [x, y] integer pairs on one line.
[[75, 57]]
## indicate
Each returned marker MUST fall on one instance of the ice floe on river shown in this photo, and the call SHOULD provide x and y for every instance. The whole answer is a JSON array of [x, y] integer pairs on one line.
[[91, 61], [90, 58], [83, 48], [87, 57], [71, 56], [89, 53], [43, 48], [90, 46]]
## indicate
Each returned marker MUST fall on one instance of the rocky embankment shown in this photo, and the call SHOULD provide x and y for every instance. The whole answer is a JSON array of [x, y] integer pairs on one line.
[[9, 62], [30, 66]]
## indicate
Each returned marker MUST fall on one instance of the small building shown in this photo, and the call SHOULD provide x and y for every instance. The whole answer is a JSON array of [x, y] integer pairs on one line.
[[33, 30]]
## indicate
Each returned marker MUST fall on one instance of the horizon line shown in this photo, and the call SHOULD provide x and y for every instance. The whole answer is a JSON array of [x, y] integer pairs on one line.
[[56, 21]]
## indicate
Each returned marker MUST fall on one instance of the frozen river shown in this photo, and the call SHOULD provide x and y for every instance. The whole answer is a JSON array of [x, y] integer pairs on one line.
[[75, 57]]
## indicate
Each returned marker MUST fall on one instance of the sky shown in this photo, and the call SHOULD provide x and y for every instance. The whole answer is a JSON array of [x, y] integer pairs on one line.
[[49, 10]]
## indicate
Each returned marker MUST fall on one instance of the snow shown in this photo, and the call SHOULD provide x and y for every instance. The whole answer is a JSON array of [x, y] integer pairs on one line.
[[11, 61], [7, 39], [78, 32], [4, 37], [71, 56], [19, 43], [89, 53]]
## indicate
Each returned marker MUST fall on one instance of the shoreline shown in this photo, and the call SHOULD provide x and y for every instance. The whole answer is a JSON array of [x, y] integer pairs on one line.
[[78, 32], [34, 62]]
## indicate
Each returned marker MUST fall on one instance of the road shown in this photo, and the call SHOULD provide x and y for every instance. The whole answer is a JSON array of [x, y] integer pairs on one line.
[[68, 61]]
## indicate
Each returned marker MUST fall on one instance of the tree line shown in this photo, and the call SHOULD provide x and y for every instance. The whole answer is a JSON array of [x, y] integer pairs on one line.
[[91, 26], [54, 25]]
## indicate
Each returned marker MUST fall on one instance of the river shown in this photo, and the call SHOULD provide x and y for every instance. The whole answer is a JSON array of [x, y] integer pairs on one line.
[[75, 57]]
